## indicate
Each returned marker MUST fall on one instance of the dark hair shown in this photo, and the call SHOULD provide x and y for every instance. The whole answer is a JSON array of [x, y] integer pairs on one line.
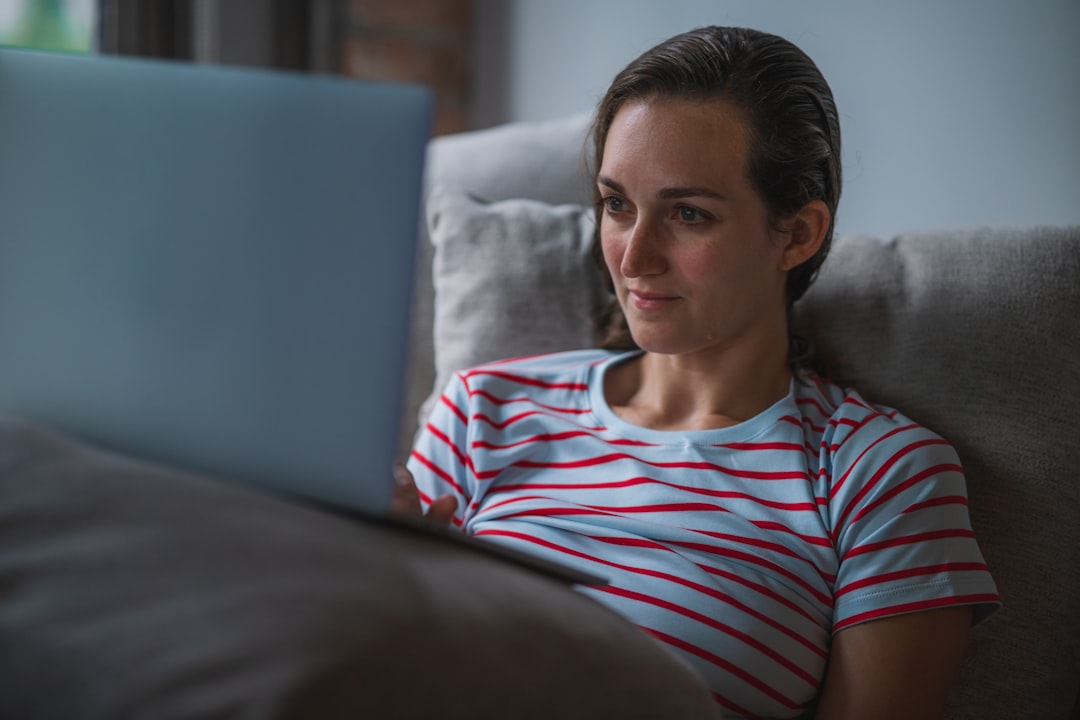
[[794, 131]]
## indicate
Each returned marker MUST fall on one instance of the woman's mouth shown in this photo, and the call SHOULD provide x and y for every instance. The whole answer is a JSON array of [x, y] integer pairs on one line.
[[645, 301]]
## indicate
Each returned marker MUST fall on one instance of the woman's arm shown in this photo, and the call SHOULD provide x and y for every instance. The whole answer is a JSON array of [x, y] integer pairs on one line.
[[895, 667]]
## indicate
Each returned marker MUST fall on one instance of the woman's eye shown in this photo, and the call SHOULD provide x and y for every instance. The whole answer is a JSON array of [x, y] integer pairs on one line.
[[614, 204], [691, 215]]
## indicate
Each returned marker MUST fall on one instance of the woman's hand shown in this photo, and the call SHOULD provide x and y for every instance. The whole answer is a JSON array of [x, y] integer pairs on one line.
[[406, 499]]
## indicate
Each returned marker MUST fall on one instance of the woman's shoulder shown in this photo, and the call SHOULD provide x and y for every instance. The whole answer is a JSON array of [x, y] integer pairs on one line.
[[844, 414], [570, 362], [561, 371]]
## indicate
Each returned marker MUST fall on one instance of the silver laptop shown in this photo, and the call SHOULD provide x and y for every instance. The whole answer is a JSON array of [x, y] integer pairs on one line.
[[211, 268]]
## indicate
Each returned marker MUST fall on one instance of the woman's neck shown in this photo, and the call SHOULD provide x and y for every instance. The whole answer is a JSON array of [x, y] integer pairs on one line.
[[697, 392]]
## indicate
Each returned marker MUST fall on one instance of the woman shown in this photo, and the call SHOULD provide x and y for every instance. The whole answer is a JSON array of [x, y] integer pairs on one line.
[[804, 549]]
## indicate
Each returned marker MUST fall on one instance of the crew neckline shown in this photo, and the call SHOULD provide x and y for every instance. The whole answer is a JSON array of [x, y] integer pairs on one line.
[[742, 432]]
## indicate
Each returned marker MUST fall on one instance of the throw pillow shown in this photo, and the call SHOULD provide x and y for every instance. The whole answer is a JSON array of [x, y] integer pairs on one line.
[[511, 278]]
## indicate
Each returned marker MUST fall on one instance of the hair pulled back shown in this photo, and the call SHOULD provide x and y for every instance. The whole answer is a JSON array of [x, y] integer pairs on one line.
[[794, 129]]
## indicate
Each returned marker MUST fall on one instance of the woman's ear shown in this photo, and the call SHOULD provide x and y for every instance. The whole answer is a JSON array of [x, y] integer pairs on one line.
[[808, 229]]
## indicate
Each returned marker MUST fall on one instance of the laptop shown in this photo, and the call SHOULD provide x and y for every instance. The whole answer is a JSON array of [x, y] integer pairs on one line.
[[211, 268]]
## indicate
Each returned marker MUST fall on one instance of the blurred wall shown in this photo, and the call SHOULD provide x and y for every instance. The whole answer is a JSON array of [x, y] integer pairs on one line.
[[956, 113]]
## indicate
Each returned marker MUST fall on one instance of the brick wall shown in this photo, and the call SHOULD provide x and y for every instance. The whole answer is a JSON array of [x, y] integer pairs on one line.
[[423, 41]]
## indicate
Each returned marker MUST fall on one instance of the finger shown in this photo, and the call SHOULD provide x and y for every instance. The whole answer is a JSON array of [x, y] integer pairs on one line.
[[405, 497], [442, 509]]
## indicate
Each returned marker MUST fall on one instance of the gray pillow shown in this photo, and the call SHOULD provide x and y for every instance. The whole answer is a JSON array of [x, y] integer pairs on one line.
[[128, 590], [511, 278]]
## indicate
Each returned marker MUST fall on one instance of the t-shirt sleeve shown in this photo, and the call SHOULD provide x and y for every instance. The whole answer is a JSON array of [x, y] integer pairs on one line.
[[439, 461], [899, 512]]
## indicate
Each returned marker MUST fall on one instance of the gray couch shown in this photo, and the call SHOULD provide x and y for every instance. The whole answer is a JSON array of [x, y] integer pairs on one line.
[[128, 590], [973, 332]]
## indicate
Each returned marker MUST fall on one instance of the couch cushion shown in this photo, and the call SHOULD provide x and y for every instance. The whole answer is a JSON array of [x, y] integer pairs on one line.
[[128, 590], [511, 278]]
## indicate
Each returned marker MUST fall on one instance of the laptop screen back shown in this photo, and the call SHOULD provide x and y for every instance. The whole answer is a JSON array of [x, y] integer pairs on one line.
[[210, 267]]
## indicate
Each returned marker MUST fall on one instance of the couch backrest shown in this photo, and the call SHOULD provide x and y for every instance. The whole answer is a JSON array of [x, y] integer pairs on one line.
[[974, 333]]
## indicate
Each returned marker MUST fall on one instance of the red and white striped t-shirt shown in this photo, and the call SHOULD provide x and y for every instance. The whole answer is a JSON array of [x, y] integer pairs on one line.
[[743, 548]]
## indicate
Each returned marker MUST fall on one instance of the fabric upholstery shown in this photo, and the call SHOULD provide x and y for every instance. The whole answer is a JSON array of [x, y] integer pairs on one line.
[[972, 332], [128, 590], [515, 274]]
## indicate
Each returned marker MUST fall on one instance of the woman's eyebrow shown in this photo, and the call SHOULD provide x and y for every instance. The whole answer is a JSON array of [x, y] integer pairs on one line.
[[605, 180], [673, 193], [676, 193]]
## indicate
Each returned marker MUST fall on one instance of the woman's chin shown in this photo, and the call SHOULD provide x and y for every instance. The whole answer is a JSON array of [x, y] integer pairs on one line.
[[659, 343]]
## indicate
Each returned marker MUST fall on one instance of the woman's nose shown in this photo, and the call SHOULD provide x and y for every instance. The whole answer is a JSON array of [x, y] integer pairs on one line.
[[643, 254]]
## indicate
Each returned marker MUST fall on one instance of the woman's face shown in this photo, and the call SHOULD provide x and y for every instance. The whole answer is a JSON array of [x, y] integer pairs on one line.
[[685, 236]]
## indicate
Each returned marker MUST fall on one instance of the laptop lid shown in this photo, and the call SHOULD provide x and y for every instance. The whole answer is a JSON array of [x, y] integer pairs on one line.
[[209, 267]]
